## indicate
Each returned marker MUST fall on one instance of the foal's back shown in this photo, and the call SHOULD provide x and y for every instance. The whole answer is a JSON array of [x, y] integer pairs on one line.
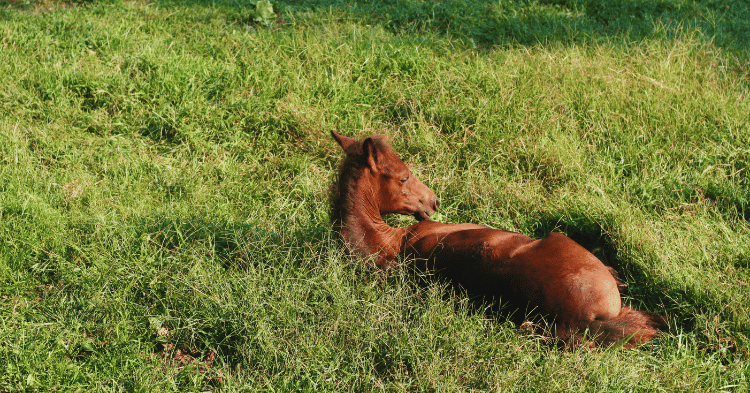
[[555, 275]]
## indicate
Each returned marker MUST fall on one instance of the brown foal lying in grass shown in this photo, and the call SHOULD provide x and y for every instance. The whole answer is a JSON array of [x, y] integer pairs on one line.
[[555, 276]]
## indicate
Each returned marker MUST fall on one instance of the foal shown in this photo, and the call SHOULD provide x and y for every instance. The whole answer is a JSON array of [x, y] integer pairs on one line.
[[555, 276]]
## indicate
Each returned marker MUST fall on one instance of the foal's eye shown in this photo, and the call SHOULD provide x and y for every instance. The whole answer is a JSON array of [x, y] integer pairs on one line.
[[404, 179]]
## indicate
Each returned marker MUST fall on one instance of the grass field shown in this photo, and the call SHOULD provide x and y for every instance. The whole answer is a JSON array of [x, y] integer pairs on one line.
[[165, 166]]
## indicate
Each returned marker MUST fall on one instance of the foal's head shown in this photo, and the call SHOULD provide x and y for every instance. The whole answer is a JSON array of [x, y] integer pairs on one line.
[[397, 190]]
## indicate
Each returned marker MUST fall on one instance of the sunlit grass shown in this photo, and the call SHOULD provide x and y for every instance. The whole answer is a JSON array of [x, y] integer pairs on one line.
[[164, 213]]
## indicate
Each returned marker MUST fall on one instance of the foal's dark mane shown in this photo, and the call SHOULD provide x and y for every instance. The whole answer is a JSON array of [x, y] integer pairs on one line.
[[350, 170]]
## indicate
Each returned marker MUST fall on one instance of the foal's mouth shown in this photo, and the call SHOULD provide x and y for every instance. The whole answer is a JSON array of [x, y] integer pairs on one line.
[[427, 210], [422, 215]]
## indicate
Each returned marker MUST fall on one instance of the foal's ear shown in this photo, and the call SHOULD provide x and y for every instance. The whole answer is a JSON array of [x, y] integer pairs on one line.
[[369, 150], [351, 146]]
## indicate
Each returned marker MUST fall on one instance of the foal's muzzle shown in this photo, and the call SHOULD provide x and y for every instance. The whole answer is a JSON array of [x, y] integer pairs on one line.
[[427, 209]]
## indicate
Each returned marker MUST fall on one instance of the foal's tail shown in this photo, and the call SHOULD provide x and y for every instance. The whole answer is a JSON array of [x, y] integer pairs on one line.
[[630, 328]]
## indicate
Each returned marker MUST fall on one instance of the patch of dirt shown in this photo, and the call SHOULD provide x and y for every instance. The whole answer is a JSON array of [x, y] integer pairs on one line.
[[177, 357]]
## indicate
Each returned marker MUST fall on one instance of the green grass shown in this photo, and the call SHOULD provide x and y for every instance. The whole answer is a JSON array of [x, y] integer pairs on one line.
[[165, 166]]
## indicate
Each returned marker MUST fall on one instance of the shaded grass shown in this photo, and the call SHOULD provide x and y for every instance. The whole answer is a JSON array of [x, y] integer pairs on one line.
[[529, 23], [167, 168]]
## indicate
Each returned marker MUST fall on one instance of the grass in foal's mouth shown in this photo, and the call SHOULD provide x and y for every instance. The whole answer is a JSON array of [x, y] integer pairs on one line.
[[165, 167]]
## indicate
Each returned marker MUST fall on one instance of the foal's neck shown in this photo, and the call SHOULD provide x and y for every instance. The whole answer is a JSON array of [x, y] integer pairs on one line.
[[362, 228]]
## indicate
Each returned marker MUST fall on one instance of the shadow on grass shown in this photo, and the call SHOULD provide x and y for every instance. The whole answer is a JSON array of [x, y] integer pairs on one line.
[[234, 244], [645, 289], [253, 250], [489, 23], [642, 289], [241, 246]]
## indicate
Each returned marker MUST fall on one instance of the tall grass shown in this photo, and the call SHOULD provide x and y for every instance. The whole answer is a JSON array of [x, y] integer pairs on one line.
[[163, 194]]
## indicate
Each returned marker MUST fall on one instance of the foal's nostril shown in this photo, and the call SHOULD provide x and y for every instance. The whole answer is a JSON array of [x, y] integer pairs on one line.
[[437, 203]]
